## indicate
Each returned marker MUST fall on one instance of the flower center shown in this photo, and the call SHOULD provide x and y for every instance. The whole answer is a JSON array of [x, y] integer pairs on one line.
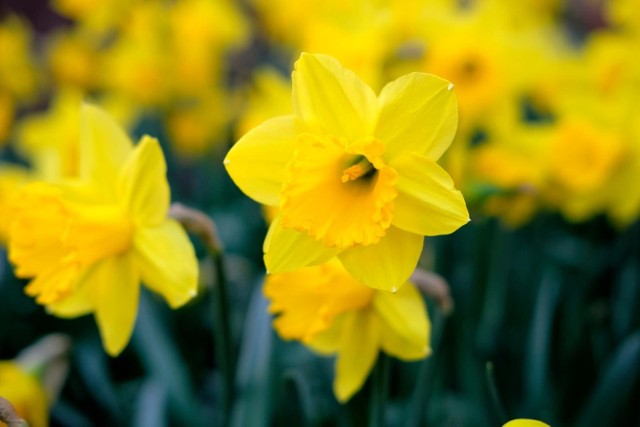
[[54, 240], [339, 193], [362, 168]]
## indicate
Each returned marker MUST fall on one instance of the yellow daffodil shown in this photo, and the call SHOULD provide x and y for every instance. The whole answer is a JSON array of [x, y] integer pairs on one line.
[[522, 422], [329, 311], [87, 244], [355, 175], [24, 393]]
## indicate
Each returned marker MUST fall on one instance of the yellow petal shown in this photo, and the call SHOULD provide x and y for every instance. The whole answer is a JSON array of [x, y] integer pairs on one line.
[[256, 163], [167, 262], [525, 423], [357, 354], [332, 100], [405, 327], [307, 301], [77, 303], [104, 147], [328, 341], [116, 292], [418, 113], [144, 185], [386, 265], [427, 202], [287, 250]]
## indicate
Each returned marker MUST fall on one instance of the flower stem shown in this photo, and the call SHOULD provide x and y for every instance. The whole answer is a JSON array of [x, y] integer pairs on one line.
[[379, 389], [9, 415], [200, 225], [494, 393]]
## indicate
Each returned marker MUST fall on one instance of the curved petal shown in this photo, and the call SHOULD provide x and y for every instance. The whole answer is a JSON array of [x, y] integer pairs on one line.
[[332, 100], [104, 147], [328, 341], [419, 113], [167, 262], [115, 297], [387, 264], [357, 354], [405, 327], [78, 303], [427, 202], [522, 422], [256, 163], [286, 250], [144, 185]]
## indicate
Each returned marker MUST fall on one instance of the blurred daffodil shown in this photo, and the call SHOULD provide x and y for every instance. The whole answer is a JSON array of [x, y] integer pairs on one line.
[[12, 177], [355, 175], [522, 422], [86, 244], [25, 394], [329, 311]]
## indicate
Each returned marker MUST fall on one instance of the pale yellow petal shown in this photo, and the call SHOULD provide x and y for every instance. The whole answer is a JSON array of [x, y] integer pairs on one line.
[[525, 423], [117, 289], [405, 327], [287, 250], [79, 302], [256, 163], [167, 262], [418, 113], [357, 354], [427, 202], [143, 184], [328, 341], [332, 100], [104, 147], [386, 265]]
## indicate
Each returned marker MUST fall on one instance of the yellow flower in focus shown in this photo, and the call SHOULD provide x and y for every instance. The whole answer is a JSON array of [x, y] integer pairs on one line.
[[24, 393], [87, 244], [329, 311], [522, 422], [355, 175]]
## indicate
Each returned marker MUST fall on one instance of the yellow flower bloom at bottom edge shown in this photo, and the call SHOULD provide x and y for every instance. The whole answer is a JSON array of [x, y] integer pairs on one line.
[[522, 422], [24, 393], [87, 244], [330, 312], [355, 175]]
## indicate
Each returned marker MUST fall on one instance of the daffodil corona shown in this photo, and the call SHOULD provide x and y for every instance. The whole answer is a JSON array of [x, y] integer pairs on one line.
[[88, 243], [329, 311], [354, 174]]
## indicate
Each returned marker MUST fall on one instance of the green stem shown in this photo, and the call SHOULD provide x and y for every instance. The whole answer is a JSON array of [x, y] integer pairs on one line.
[[200, 225], [494, 393], [222, 332], [379, 389], [424, 384]]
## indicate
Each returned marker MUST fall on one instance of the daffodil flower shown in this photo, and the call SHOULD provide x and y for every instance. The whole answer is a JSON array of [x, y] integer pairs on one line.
[[25, 394], [522, 422], [329, 311], [355, 175], [87, 244]]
